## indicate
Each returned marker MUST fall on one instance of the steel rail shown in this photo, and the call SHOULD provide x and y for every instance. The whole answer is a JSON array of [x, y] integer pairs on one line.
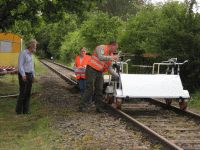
[[184, 135], [174, 108], [60, 65], [158, 137], [67, 79]]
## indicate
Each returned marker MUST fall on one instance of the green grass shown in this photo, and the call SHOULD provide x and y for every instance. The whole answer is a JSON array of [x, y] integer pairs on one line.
[[24, 132], [39, 68], [9, 84], [195, 100]]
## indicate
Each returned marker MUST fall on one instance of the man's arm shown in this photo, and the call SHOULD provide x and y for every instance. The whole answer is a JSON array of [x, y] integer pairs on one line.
[[100, 54], [20, 64], [102, 57], [112, 72]]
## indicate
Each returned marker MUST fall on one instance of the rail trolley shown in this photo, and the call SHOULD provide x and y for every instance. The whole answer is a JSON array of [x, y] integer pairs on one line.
[[10, 46], [166, 86]]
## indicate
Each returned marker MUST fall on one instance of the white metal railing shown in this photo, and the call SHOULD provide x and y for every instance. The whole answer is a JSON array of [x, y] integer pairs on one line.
[[172, 62]]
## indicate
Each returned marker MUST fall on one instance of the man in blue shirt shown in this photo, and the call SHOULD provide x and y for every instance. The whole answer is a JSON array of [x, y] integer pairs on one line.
[[26, 77]]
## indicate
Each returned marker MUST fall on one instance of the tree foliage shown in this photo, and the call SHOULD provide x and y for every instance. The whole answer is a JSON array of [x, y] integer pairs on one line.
[[98, 29], [54, 10], [52, 35], [170, 31], [50, 10], [140, 31], [11, 11], [121, 8], [71, 46]]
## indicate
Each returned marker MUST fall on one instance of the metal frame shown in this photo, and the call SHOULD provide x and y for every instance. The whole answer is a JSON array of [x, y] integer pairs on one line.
[[116, 86]]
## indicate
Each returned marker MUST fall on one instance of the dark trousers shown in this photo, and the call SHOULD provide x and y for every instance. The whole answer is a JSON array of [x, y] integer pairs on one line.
[[81, 84], [94, 87], [24, 94]]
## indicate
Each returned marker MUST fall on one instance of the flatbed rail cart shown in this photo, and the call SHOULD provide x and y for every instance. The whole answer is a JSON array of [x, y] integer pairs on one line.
[[167, 86]]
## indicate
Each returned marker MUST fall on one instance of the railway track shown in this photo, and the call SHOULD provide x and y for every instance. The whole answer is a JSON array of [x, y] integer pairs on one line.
[[174, 128], [63, 71], [180, 129]]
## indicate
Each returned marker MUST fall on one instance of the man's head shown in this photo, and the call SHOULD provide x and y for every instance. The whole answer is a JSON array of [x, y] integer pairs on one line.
[[32, 45], [113, 46], [83, 51]]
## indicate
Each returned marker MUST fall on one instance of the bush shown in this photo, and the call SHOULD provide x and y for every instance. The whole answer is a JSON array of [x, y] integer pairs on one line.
[[71, 45], [52, 35], [98, 29]]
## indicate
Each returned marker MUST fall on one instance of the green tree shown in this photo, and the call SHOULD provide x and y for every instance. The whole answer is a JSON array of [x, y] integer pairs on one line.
[[121, 8], [71, 45], [50, 10], [170, 30], [140, 32], [99, 28], [51, 36], [11, 11]]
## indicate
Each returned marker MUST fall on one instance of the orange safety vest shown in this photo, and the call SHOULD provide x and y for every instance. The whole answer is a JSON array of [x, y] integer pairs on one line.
[[79, 71], [95, 63]]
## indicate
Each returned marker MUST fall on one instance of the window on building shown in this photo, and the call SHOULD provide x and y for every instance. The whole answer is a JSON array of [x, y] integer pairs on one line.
[[5, 46]]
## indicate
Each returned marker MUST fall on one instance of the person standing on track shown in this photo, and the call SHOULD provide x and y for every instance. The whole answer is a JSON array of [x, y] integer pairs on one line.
[[26, 77], [80, 64], [99, 63]]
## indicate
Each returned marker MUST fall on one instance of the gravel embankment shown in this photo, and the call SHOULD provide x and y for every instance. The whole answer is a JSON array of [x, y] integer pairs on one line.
[[90, 130]]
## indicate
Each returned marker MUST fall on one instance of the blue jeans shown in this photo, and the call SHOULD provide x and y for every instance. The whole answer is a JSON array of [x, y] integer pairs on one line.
[[82, 85]]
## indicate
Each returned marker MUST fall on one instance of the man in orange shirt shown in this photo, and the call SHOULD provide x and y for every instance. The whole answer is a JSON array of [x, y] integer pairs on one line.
[[81, 61]]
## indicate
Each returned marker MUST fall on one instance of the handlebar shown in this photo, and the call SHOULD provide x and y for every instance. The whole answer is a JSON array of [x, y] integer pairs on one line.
[[172, 61]]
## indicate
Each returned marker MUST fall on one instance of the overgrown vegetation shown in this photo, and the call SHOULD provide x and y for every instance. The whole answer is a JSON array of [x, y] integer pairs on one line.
[[194, 102], [98, 28], [24, 132]]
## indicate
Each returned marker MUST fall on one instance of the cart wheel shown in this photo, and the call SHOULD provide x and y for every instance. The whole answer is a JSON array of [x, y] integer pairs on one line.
[[109, 99], [168, 101], [183, 104], [117, 103]]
